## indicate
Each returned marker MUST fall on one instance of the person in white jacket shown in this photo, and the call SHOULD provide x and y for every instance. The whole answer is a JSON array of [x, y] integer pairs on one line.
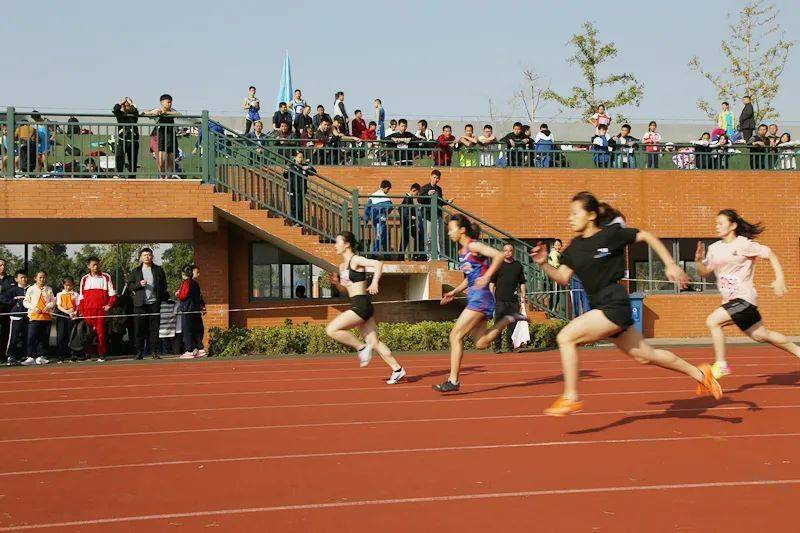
[[40, 302]]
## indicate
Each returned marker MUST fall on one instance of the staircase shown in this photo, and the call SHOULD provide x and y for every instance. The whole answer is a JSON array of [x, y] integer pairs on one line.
[[254, 185]]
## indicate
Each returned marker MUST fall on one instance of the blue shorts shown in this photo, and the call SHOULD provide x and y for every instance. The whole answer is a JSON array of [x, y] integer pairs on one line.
[[482, 301]]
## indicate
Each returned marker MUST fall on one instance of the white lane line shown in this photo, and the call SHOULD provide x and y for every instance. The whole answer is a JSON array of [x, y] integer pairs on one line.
[[380, 422], [545, 444], [353, 404], [420, 499]]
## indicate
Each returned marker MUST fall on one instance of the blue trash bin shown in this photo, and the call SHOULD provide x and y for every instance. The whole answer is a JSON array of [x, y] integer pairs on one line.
[[637, 309]]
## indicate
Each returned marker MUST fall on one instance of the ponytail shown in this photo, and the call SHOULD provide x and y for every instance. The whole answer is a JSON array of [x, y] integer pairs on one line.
[[744, 228], [472, 229], [609, 215], [605, 213]]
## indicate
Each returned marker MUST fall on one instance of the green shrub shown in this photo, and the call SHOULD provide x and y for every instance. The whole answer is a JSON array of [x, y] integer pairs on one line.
[[311, 339]]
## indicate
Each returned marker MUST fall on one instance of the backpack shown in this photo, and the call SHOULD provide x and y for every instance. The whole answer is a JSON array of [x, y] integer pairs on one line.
[[82, 336]]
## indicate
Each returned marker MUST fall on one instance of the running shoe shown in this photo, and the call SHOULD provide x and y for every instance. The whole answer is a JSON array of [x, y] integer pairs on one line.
[[710, 384], [42, 360], [201, 353], [28, 361], [187, 355], [396, 376], [447, 386], [101, 360], [364, 355], [720, 370], [563, 407]]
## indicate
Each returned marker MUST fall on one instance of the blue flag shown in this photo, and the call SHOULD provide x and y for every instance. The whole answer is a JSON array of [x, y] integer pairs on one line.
[[285, 94]]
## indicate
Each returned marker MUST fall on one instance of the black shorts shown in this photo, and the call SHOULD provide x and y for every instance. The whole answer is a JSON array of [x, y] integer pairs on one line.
[[744, 314], [614, 302], [362, 306], [166, 140]]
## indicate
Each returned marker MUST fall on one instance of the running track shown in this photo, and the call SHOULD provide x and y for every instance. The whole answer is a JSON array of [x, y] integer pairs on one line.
[[321, 445]]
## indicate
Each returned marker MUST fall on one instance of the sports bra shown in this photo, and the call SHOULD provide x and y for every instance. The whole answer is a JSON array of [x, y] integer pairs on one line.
[[351, 276]]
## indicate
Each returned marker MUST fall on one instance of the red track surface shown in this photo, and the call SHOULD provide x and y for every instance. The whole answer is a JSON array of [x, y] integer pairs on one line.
[[321, 445]]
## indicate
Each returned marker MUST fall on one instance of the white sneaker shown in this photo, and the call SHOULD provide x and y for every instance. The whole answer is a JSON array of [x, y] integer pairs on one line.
[[365, 355], [29, 361], [42, 360], [201, 353], [396, 376], [187, 355], [101, 360]]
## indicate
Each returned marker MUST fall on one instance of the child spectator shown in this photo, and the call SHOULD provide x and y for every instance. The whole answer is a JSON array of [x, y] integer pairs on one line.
[[359, 125], [371, 133], [443, 155], [13, 297], [66, 314], [40, 302], [601, 147], [652, 144], [252, 106], [488, 146], [392, 128], [191, 305], [600, 118], [467, 152]]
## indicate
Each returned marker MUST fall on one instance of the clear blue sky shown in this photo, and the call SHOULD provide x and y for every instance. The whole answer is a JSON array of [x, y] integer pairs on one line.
[[424, 59]]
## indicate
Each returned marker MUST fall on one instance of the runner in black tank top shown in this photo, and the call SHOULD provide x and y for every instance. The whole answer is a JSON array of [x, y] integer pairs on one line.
[[597, 256], [352, 279]]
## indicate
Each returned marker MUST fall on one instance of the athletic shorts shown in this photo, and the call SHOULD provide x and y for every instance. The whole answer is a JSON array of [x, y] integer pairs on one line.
[[362, 306], [166, 139], [744, 314], [614, 302], [482, 301]]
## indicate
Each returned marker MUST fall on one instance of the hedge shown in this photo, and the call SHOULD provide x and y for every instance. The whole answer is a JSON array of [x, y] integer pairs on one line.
[[290, 339]]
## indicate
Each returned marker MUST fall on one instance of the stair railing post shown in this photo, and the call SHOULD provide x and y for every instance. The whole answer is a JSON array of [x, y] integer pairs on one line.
[[434, 229], [355, 215], [207, 151], [9, 170]]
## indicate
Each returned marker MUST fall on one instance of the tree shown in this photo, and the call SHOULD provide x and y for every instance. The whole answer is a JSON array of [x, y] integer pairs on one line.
[[13, 261], [589, 56], [756, 51], [53, 259], [531, 95], [175, 258]]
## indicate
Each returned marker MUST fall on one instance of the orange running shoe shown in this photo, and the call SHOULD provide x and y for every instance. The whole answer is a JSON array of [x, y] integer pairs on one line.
[[710, 384], [563, 407]]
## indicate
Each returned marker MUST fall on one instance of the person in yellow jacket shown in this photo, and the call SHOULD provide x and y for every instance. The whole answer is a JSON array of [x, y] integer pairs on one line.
[[40, 302]]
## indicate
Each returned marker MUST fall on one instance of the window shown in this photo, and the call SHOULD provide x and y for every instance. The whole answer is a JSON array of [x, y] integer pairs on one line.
[[650, 272], [277, 274]]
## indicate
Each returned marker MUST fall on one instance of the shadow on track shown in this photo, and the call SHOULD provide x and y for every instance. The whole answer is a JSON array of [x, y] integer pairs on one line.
[[558, 378], [466, 370], [787, 378]]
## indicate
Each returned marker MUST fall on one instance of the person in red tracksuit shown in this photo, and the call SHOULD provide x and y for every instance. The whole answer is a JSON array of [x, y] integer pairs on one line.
[[97, 295]]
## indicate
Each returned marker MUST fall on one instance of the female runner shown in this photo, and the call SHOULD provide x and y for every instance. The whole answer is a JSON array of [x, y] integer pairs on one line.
[[597, 255], [733, 260], [479, 262], [352, 278]]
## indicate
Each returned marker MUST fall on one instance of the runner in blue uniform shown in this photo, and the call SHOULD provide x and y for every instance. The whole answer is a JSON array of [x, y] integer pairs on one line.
[[478, 262]]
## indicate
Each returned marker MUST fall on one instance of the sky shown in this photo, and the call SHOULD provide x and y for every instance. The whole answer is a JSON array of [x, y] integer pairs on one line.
[[422, 58]]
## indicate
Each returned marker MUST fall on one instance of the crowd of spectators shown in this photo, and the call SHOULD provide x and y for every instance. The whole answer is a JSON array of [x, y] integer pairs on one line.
[[92, 321]]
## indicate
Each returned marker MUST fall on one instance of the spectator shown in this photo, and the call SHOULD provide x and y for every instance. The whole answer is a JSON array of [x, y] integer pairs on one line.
[[508, 287], [601, 146], [488, 146], [303, 120], [296, 176], [147, 284], [371, 133], [298, 104], [40, 302], [300, 292], [359, 125], [7, 283], [747, 119], [402, 140], [190, 306], [90, 169], [719, 152], [702, 151], [429, 199], [517, 142], [325, 145], [66, 318], [165, 132], [43, 141], [376, 212], [774, 139], [393, 128], [758, 148], [380, 118], [600, 118], [467, 151], [339, 131], [252, 107], [284, 140], [96, 296], [127, 145], [544, 147], [423, 132], [18, 336], [321, 116], [726, 121], [26, 135], [554, 260], [788, 149], [258, 139], [443, 155], [340, 111], [652, 144], [307, 136], [411, 222], [625, 145], [280, 116]]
